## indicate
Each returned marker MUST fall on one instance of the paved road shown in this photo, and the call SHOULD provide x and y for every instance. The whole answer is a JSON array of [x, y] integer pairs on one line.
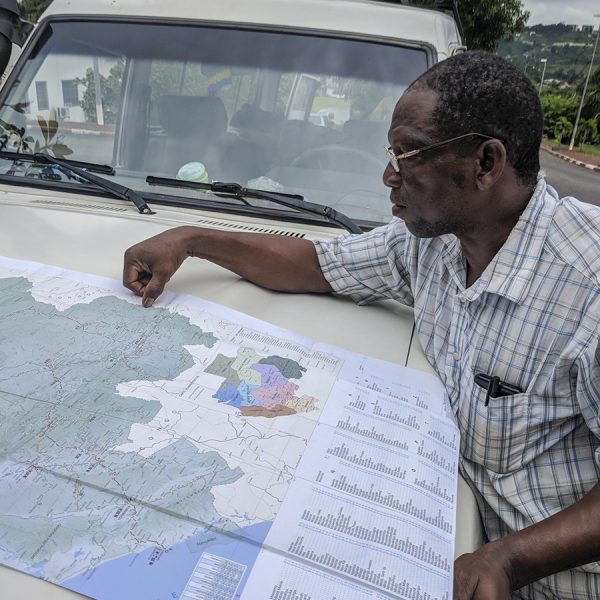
[[571, 180]]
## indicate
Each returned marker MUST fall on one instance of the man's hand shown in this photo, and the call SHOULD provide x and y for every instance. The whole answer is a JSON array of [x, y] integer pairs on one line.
[[482, 575], [567, 539], [149, 265], [275, 262]]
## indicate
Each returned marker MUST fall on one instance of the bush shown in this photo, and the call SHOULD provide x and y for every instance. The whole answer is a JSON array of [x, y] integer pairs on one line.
[[558, 105], [563, 129], [587, 132]]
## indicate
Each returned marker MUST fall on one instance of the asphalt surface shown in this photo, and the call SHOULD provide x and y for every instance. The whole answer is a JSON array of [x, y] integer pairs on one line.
[[571, 180]]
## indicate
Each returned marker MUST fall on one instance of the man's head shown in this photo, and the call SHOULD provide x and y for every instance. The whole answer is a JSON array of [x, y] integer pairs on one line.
[[453, 188], [483, 92]]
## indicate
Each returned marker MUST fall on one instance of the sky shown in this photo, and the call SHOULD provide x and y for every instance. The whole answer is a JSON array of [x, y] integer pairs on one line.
[[577, 12]]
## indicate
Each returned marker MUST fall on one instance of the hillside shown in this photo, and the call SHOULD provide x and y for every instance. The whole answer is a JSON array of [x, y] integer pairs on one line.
[[568, 53]]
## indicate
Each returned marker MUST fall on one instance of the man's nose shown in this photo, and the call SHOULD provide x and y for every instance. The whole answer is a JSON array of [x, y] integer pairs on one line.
[[390, 177]]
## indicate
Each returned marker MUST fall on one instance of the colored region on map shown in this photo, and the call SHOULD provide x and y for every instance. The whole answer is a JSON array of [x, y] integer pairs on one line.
[[260, 387]]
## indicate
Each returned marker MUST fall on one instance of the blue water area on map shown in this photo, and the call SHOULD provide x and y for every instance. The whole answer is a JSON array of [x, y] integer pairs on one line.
[[155, 575]]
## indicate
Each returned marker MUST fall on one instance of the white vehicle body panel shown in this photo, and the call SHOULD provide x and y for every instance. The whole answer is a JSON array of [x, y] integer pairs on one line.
[[358, 17]]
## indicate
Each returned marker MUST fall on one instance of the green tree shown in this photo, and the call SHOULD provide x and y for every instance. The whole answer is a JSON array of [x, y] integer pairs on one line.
[[563, 130], [32, 9], [586, 132], [591, 106], [557, 104], [110, 91], [485, 22]]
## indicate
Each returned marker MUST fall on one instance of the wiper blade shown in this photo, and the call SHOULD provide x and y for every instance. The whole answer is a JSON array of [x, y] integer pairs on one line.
[[97, 168], [183, 183], [120, 191], [294, 201], [81, 170]]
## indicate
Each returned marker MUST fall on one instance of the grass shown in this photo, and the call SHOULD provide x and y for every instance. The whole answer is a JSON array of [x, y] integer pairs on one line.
[[595, 150], [328, 102], [587, 148]]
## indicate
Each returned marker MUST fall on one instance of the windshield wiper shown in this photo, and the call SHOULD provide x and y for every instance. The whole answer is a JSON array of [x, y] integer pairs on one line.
[[118, 190], [235, 190], [97, 168], [81, 169]]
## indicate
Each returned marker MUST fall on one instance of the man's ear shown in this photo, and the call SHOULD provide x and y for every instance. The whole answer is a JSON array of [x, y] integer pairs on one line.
[[490, 163]]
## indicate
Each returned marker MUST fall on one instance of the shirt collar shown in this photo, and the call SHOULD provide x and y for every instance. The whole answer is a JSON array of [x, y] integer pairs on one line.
[[511, 271]]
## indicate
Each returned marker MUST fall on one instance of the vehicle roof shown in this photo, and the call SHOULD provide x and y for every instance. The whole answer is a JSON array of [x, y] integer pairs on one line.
[[363, 17]]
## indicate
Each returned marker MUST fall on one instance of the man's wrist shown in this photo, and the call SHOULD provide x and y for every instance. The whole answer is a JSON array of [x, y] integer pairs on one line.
[[501, 552], [189, 239]]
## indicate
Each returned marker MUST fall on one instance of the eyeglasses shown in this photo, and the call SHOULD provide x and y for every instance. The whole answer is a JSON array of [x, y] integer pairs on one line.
[[396, 158]]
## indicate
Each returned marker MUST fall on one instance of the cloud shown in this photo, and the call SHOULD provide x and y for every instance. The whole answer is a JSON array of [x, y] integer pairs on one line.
[[577, 12]]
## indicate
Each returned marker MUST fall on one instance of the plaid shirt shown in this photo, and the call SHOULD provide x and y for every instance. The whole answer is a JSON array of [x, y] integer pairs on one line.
[[532, 319]]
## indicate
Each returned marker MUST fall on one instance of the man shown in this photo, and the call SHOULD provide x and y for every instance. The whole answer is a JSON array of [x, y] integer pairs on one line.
[[504, 279]]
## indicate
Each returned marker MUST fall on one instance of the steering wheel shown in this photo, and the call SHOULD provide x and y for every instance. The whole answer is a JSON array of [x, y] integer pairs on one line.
[[339, 158]]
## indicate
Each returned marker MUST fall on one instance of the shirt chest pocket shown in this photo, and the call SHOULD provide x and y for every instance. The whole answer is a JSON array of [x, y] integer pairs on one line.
[[495, 436]]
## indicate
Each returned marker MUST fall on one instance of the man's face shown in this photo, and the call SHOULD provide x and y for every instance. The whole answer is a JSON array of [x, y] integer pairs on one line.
[[428, 193]]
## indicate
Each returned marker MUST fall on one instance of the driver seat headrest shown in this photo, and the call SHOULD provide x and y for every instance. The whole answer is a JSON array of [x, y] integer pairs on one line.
[[192, 116]]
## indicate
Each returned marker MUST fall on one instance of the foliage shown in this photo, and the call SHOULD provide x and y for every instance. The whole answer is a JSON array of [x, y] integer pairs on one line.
[[32, 9], [591, 106], [368, 101], [587, 131], [486, 22], [588, 149], [53, 140], [557, 104], [568, 53], [563, 130], [13, 135], [110, 92]]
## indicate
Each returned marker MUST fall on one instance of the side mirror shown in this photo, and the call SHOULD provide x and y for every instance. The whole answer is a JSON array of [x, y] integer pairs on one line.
[[13, 30]]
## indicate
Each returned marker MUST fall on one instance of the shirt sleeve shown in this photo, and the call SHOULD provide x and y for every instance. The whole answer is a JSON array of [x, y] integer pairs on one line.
[[369, 266], [587, 388]]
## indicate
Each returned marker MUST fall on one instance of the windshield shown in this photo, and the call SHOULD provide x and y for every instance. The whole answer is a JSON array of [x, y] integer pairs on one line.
[[278, 111]]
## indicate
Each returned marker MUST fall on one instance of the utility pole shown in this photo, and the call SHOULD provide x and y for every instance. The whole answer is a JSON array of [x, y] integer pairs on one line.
[[585, 88], [545, 61]]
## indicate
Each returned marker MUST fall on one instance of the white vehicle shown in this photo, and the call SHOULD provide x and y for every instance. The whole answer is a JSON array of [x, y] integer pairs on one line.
[[120, 95]]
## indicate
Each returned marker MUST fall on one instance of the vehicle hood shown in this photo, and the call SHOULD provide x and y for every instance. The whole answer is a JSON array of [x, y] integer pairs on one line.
[[90, 235]]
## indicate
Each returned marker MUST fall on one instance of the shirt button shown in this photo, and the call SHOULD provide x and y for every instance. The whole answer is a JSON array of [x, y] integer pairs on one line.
[[456, 356]]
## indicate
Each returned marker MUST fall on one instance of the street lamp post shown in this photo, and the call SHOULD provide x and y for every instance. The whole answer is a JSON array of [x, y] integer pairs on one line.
[[545, 61], [585, 88]]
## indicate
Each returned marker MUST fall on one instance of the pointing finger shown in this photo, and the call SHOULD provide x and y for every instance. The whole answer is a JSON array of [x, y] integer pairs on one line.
[[154, 288]]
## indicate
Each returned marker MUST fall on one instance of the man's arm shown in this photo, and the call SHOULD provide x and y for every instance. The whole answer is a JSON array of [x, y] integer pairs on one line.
[[272, 261], [565, 540]]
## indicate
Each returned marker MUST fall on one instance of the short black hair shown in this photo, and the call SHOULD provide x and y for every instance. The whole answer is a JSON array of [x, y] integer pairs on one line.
[[484, 93]]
